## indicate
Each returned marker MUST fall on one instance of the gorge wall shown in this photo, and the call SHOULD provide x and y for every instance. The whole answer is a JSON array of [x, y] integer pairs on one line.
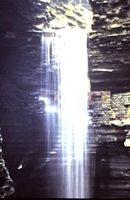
[[109, 60], [22, 118], [109, 45]]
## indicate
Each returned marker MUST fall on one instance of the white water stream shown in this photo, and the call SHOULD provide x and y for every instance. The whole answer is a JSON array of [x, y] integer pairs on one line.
[[65, 56]]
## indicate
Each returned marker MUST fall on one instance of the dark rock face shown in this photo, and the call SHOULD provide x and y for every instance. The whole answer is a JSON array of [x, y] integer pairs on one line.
[[21, 114], [6, 184], [109, 61], [109, 144], [109, 45]]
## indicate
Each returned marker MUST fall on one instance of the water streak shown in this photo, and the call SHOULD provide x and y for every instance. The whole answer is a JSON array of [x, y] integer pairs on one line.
[[66, 56]]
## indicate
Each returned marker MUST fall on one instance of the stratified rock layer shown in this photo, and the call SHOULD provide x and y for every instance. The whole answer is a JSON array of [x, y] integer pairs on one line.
[[109, 45], [109, 60]]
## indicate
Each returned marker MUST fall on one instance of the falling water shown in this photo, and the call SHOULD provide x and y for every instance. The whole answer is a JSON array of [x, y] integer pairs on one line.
[[64, 55]]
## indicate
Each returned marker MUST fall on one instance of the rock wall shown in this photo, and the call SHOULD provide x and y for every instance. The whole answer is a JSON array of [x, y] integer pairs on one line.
[[109, 45], [6, 183], [21, 114], [107, 108], [109, 62]]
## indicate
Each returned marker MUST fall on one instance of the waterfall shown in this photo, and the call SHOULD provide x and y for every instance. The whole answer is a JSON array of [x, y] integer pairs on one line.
[[65, 65]]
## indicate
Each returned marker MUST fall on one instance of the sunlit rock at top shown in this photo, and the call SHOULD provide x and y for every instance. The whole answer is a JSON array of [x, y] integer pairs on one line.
[[62, 14]]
